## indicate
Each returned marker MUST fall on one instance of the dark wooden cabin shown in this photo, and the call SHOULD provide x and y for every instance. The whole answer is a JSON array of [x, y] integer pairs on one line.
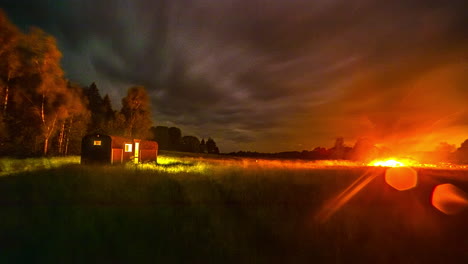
[[104, 149]]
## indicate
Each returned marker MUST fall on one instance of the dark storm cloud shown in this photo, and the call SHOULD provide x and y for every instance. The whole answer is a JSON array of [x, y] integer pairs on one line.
[[270, 70]]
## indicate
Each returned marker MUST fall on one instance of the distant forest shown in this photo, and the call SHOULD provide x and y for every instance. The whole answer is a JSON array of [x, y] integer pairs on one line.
[[365, 150], [42, 113]]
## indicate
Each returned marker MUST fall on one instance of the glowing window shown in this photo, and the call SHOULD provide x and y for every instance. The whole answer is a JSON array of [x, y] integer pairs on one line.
[[97, 143], [128, 147]]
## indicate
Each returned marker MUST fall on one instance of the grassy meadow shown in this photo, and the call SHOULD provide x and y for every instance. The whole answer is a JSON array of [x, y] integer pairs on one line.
[[191, 209]]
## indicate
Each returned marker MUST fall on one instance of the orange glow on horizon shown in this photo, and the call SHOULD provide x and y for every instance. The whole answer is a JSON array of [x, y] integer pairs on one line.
[[398, 162], [387, 163], [410, 162]]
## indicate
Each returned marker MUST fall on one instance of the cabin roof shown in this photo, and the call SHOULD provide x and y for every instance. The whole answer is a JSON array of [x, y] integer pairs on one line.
[[118, 142]]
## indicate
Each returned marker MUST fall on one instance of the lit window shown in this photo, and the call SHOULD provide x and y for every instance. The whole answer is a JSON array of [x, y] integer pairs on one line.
[[97, 143], [128, 147]]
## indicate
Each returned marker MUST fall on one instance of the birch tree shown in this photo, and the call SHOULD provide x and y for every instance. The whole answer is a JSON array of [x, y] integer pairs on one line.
[[9, 59], [137, 113], [44, 90]]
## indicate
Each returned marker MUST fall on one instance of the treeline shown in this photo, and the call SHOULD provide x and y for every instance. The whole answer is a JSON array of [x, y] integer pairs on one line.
[[170, 138], [338, 152], [43, 113], [365, 150]]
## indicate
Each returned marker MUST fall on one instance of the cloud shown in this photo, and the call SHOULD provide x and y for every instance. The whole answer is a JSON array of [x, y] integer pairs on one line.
[[289, 72]]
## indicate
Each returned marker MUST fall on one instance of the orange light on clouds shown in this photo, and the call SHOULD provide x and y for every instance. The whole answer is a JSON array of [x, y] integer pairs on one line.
[[401, 178], [449, 199]]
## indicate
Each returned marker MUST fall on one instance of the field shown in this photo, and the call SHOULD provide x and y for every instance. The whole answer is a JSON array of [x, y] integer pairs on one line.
[[189, 209]]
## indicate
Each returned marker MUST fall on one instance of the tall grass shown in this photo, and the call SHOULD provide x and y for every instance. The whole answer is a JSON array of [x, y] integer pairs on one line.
[[10, 166], [206, 210]]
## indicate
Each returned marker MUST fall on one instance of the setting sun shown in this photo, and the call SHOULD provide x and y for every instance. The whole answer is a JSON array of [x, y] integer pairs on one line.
[[388, 163], [399, 175]]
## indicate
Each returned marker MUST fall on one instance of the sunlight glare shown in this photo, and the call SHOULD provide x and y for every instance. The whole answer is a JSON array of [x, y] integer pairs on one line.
[[387, 163]]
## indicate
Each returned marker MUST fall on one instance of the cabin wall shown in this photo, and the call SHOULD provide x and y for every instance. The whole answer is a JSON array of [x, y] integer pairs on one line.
[[117, 156], [95, 149], [148, 155]]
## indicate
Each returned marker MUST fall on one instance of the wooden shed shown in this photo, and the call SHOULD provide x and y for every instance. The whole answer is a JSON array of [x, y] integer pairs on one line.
[[105, 149]]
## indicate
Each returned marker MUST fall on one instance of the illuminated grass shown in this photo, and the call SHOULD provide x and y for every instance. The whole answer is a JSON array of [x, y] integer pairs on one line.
[[10, 166], [173, 165], [226, 210]]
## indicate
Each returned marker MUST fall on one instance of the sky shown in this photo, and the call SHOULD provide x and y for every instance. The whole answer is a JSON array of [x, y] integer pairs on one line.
[[274, 75]]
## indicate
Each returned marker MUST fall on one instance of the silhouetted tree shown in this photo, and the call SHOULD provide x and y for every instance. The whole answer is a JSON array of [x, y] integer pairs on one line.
[[94, 105], [107, 109], [118, 125], [320, 153], [190, 144], [161, 135], [137, 112], [102, 114], [211, 146], [203, 146], [175, 137]]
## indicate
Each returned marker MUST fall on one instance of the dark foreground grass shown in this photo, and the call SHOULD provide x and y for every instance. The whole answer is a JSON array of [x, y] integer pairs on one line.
[[78, 214]]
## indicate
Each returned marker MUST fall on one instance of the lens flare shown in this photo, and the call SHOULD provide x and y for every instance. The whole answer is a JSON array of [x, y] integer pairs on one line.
[[401, 178], [449, 199], [333, 205]]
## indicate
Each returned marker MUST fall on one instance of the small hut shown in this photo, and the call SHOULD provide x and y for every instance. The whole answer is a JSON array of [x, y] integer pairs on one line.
[[105, 149]]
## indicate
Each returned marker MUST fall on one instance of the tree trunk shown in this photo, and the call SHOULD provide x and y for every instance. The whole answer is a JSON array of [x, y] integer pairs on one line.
[[46, 145], [50, 129], [5, 101], [42, 109], [61, 138], [68, 136]]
